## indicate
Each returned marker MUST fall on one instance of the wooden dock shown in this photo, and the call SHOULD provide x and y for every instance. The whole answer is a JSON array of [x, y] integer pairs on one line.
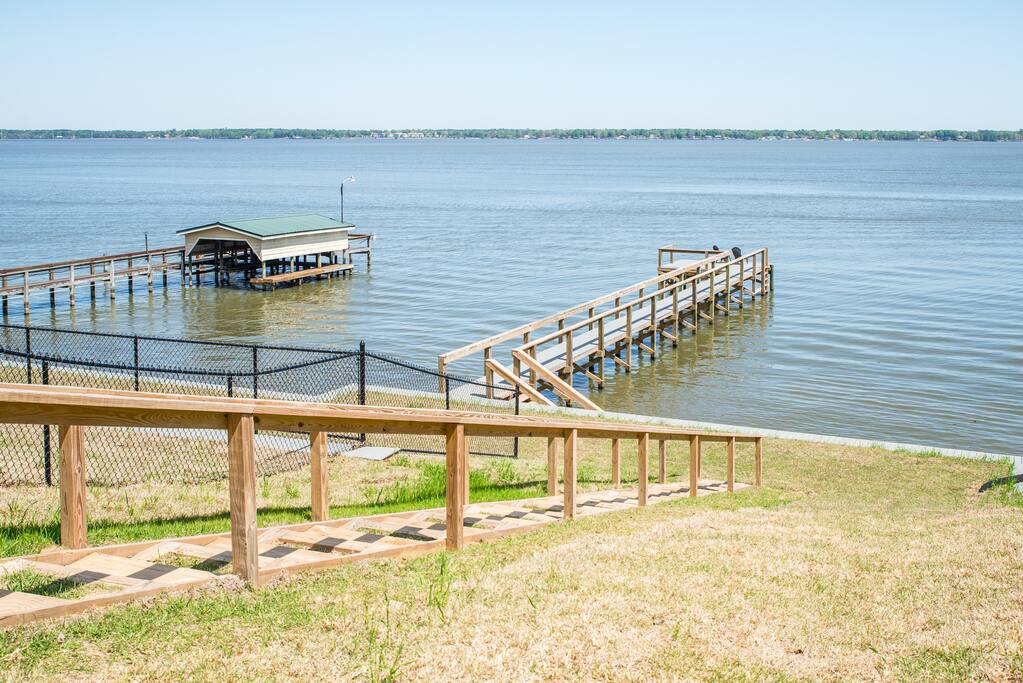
[[134, 570], [688, 291], [154, 266]]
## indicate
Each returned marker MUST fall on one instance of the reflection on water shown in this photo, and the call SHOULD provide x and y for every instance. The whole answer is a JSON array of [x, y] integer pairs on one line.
[[895, 314]]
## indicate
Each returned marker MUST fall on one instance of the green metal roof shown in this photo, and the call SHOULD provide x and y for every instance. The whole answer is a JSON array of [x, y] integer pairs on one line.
[[278, 226]]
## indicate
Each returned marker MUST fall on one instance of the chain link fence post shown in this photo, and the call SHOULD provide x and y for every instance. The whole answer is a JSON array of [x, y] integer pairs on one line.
[[28, 356], [255, 372], [47, 454], [135, 349]]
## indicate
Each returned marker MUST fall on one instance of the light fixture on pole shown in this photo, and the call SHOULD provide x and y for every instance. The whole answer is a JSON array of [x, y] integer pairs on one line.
[[349, 179]]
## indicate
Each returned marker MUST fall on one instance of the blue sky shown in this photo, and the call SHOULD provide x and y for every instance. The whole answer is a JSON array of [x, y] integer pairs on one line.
[[483, 64]]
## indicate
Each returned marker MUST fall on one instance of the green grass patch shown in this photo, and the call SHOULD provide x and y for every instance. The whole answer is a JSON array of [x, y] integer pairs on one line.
[[426, 489], [38, 583]]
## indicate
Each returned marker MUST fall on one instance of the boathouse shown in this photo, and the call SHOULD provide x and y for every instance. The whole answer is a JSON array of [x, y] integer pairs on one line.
[[274, 250]]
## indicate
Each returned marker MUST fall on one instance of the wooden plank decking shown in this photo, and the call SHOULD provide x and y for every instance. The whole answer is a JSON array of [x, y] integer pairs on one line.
[[302, 274], [684, 295], [133, 570], [128, 572]]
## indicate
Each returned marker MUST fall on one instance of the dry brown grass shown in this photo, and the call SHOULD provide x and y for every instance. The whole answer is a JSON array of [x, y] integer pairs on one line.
[[850, 564]]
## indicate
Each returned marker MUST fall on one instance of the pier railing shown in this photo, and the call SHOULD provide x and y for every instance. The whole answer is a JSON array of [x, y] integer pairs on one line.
[[77, 412], [699, 296], [589, 308], [618, 321], [108, 269]]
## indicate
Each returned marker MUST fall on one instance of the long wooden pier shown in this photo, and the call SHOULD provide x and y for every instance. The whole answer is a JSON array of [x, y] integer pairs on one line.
[[693, 287], [148, 266]]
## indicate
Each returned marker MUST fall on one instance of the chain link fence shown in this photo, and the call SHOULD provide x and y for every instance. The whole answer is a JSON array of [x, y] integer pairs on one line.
[[119, 455]]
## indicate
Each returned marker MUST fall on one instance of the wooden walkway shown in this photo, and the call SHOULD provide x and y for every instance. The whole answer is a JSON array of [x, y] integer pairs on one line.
[[612, 328], [108, 271], [296, 276], [123, 573]]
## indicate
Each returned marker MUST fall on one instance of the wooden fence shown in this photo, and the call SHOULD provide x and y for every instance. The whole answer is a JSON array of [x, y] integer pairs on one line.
[[74, 410]]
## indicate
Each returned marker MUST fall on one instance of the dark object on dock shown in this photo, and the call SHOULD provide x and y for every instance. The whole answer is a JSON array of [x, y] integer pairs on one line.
[[736, 252]]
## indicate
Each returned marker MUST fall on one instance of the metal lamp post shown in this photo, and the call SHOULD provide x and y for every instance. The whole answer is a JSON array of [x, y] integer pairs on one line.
[[349, 179]]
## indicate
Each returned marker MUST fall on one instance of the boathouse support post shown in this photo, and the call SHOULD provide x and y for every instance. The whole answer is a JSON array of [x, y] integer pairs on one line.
[[455, 457]]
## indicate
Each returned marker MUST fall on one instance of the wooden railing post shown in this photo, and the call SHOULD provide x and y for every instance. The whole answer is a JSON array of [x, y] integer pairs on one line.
[[616, 464], [662, 461], [571, 437], [730, 465], [694, 465], [72, 486], [241, 473], [552, 466], [642, 465], [318, 463], [758, 456], [455, 486]]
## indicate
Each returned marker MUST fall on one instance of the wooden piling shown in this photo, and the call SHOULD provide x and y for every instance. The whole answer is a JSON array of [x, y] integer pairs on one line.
[[241, 473], [730, 464], [72, 486], [616, 464], [694, 465], [662, 460], [320, 476], [569, 477], [643, 463], [758, 476], [455, 487], [552, 466]]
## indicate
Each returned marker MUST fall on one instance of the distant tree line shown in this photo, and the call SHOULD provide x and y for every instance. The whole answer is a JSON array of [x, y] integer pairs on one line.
[[528, 133]]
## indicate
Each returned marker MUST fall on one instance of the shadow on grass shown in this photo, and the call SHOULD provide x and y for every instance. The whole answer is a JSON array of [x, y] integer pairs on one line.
[[34, 537]]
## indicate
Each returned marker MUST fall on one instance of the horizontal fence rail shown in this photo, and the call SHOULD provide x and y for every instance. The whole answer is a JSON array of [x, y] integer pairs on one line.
[[76, 411]]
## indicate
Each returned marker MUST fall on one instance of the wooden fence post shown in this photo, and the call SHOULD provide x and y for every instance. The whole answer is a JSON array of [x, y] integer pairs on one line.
[[571, 437], [72, 486], [318, 463], [694, 465], [759, 462], [241, 473], [552, 466], [455, 486], [662, 463], [730, 465], [643, 464], [616, 464]]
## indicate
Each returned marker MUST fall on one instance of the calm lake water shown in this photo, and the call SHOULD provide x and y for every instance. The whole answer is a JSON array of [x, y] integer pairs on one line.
[[897, 312]]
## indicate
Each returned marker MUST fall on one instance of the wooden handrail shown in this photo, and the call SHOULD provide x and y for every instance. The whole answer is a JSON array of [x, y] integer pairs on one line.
[[74, 409], [639, 301], [56, 265], [475, 347]]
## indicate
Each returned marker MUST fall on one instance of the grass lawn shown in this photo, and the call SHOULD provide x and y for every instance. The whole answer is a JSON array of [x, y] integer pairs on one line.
[[849, 563]]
